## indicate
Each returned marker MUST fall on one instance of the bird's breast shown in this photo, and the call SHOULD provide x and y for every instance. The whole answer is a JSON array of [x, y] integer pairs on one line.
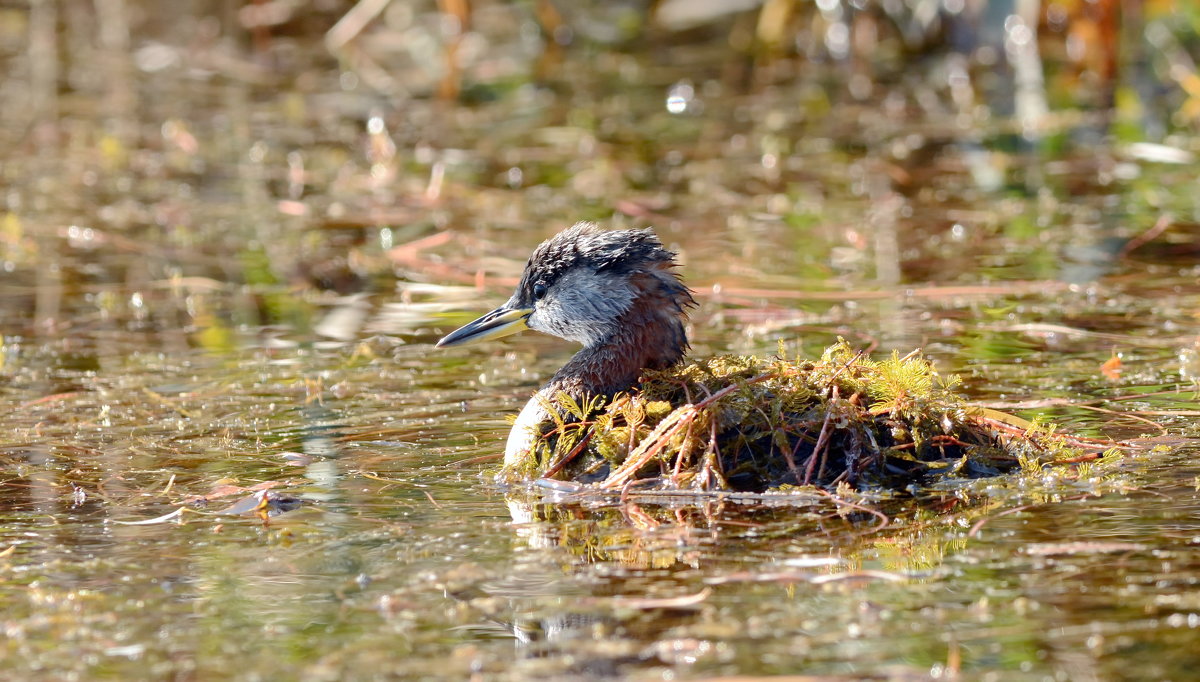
[[525, 431]]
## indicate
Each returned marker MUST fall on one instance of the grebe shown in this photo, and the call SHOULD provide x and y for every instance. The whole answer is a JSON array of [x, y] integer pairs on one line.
[[843, 418], [616, 292]]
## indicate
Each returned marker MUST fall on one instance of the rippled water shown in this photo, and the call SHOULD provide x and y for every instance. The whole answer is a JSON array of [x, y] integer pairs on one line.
[[225, 268]]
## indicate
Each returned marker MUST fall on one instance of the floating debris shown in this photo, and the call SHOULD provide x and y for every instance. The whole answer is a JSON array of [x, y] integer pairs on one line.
[[749, 424]]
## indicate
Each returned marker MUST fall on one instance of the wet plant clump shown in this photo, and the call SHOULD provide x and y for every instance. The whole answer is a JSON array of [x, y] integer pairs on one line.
[[751, 424]]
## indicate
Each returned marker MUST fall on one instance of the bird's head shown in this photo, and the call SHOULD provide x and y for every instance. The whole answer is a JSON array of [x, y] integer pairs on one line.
[[579, 284]]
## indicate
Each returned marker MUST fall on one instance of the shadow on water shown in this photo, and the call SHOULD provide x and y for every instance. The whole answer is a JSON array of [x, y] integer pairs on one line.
[[231, 236]]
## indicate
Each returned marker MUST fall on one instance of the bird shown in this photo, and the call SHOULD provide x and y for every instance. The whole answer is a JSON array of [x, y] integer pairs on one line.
[[843, 418], [617, 292]]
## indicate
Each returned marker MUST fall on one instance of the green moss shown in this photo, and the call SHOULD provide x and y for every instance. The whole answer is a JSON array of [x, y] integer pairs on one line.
[[749, 423]]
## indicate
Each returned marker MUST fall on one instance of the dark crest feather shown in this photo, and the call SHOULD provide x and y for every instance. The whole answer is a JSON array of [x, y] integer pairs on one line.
[[618, 251]]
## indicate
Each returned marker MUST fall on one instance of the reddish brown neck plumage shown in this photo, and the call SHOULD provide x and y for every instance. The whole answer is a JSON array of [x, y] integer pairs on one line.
[[649, 335]]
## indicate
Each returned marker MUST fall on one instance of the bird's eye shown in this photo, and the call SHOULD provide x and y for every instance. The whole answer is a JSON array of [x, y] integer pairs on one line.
[[539, 291]]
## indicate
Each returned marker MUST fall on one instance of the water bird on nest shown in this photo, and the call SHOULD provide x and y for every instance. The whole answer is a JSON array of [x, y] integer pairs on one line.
[[730, 422], [616, 292]]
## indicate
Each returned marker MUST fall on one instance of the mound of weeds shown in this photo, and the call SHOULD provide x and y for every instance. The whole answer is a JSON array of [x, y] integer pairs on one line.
[[751, 424]]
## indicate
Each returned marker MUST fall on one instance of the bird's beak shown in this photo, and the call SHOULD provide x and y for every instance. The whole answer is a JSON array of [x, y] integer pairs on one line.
[[500, 322]]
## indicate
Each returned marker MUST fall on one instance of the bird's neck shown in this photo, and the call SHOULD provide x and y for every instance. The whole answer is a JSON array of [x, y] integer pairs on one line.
[[650, 335]]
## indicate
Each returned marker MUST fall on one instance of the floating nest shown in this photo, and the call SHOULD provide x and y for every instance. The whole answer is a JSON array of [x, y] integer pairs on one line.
[[748, 424]]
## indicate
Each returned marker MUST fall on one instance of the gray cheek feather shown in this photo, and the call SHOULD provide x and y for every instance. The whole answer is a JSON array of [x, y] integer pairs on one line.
[[583, 306]]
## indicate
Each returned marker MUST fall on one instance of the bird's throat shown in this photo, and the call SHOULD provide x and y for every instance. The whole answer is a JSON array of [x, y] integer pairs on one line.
[[644, 339]]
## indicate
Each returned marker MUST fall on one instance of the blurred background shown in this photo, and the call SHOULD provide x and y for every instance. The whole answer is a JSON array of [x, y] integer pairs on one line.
[[308, 147]]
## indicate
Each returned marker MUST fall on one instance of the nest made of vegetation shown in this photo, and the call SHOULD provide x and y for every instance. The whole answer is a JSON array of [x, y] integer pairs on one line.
[[751, 424]]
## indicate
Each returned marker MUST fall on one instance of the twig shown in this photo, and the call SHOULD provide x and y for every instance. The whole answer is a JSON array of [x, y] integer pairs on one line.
[[431, 500], [636, 516], [1089, 457], [883, 518], [476, 460], [733, 387], [353, 22], [1164, 221], [650, 447], [1081, 441], [661, 603], [846, 366], [825, 451], [980, 523], [558, 466], [931, 292], [47, 399], [1068, 402], [869, 574], [821, 438], [1162, 429], [791, 456], [712, 464]]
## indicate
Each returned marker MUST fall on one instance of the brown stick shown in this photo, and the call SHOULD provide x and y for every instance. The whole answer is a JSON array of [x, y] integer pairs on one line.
[[649, 448], [1164, 221], [979, 524], [825, 452], [558, 466], [821, 438]]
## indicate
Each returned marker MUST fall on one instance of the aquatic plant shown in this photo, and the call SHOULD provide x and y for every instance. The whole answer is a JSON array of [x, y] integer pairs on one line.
[[746, 423]]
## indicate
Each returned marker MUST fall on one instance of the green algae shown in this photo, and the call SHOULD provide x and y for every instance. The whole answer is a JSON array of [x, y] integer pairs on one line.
[[745, 423]]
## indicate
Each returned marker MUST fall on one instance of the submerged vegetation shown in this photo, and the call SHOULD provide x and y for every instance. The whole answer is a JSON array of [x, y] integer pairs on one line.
[[752, 424]]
